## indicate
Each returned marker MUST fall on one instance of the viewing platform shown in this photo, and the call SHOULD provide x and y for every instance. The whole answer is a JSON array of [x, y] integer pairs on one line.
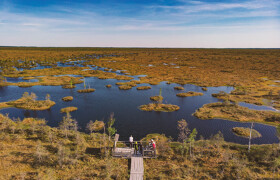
[[124, 149]]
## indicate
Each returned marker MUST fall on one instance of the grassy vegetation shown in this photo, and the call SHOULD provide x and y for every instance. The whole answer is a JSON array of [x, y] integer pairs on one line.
[[143, 87], [237, 113], [159, 107], [68, 109], [67, 98], [190, 93], [29, 102], [32, 150], [108, 86], [245, 132]]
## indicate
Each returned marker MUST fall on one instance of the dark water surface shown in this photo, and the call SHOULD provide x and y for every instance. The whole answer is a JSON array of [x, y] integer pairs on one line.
[[129, 119]]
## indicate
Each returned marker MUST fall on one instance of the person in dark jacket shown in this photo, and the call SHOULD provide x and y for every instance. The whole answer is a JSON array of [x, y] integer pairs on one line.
[[135, 147]]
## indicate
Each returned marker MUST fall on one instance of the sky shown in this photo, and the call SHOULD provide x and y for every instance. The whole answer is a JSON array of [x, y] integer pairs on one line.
[[141, 23]]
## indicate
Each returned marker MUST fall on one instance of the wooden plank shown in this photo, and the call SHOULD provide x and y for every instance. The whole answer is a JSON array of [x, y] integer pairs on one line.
[[137, 168]]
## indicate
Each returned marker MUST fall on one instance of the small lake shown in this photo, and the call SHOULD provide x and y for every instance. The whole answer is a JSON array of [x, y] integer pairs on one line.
[[129, 119]]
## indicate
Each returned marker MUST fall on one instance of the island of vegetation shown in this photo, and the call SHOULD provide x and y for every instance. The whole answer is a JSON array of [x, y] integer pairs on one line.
[[89, 90], [234, 112], [159, 107], [156, 98], [204, 88], [245, 132], [67, 98], [143, 87], [65, 81], [129, 83], [29, 102], [190, 93], [179, 88], [68, 109], [125, 87], [108, 86]]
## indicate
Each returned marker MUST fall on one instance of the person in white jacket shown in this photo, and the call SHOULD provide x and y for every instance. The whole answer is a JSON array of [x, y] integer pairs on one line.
[[130, 141]]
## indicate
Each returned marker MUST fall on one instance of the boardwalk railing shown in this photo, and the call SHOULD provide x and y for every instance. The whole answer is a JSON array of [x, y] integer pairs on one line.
[[126, 150]]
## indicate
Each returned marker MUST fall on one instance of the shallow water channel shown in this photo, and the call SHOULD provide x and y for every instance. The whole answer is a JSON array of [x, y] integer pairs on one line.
[[129, 119]]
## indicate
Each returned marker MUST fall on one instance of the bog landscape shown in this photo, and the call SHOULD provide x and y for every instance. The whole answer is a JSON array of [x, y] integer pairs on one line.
[[213, 113]]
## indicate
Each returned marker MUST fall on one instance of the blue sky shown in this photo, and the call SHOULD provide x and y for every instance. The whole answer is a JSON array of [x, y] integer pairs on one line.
[[141, 23]]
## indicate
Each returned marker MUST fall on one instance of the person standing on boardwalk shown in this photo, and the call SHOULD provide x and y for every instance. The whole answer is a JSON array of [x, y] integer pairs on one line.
[[140, 148], [154, 146], [130, 141], [136, 148]]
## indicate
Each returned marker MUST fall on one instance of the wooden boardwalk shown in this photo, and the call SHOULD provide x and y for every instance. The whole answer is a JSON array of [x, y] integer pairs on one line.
[[137, 168]]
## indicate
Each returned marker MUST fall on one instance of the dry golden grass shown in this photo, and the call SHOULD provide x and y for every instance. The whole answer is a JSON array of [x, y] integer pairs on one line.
[[108, 86]]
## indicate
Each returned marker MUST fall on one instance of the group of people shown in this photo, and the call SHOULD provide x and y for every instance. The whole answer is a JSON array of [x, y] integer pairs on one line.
[[138, 147]]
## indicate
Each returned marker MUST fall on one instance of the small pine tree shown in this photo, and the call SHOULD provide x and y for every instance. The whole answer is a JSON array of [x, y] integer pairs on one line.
[[191, 139], [111, 130], [68, 124]]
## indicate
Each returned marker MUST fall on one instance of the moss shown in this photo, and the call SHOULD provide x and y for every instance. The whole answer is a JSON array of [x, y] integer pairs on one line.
[[190, 93], [86, 90], [143, 87], [159, 107], [245, 132], [67, 98], [68, 109]]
